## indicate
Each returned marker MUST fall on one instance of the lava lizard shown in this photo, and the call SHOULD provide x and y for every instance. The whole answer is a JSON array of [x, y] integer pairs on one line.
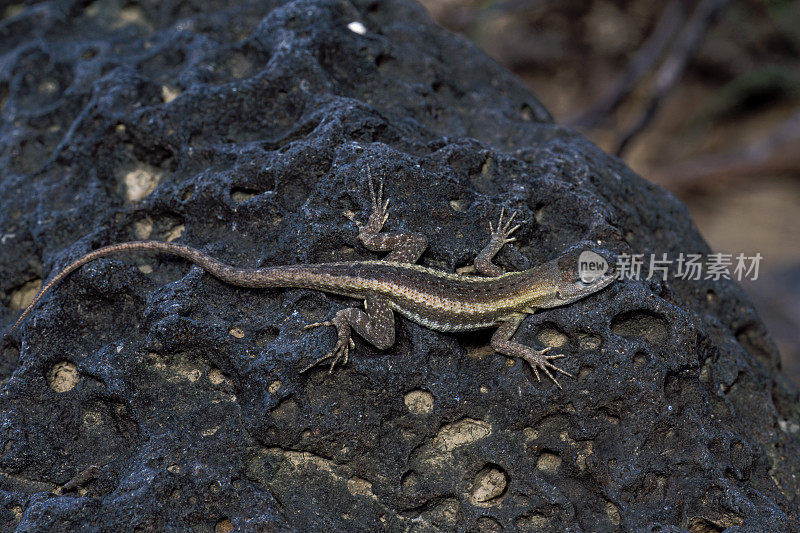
[[437, 300]]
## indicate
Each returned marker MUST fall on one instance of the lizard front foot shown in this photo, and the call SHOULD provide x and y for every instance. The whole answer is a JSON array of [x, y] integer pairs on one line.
[[503, 232], [539, 361], [380, 208], [344, 343], [500, 236]]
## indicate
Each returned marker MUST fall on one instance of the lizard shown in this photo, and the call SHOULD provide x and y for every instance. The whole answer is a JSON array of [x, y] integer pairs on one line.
[[436, 299]]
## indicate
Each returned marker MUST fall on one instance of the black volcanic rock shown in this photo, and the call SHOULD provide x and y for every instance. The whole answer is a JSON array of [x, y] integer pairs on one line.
[[246, 130]]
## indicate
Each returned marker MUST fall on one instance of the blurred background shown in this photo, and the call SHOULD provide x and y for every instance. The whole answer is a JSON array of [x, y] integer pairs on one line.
[[700, 96]]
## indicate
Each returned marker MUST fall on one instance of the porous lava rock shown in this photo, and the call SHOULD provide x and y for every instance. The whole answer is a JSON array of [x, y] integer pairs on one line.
[[146, 395]]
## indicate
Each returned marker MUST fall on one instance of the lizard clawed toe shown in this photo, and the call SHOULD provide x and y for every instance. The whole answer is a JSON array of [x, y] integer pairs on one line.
[[504, 229], [380, 207], [319, 324], [539, 361], [341, 351]]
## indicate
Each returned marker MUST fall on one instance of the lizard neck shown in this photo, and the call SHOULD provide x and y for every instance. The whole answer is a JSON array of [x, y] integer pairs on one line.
[[536, 287]]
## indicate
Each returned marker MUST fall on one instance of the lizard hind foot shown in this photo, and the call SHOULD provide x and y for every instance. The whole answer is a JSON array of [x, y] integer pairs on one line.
[[539, 361], [341, 351]]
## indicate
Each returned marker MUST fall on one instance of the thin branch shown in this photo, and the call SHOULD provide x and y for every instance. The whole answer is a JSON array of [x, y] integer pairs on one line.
[[669, 24], [673, 66]]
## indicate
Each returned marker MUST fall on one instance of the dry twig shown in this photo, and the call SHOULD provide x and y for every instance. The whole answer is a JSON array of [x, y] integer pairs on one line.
[[673, 66], [669, 24]]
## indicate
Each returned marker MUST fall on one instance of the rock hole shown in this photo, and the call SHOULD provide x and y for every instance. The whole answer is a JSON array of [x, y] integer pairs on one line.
[[92, 419], [188, 193], [9, 360], [548, 461], [382, 59], [359, 487], [63, 376], [239, 65], [265, 336], [458, 205], [443, 515], [641, 323], [286, 410], [756, 341], [223, 526], [732, 475], [313, 308], [169, 93], [174, 232], [550, 335], [540, 213], [711, 297], [611, 418], [487, 165], [679, 388], [191, 374], [489, 486], [23, 296], [589, 342], [419, 402], [143, 228], [346, 253], [242, 194], [533, 522], [476, 343], [526, 112], [139, 181], [487, 524], [460, 433], [612, 513], [699, 524], [218, 377]]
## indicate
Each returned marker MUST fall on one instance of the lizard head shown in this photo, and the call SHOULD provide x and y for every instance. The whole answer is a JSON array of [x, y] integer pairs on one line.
[[581, 270]]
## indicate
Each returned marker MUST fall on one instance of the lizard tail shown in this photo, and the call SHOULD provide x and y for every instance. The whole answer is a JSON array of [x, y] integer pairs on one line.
[[217, 268]]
